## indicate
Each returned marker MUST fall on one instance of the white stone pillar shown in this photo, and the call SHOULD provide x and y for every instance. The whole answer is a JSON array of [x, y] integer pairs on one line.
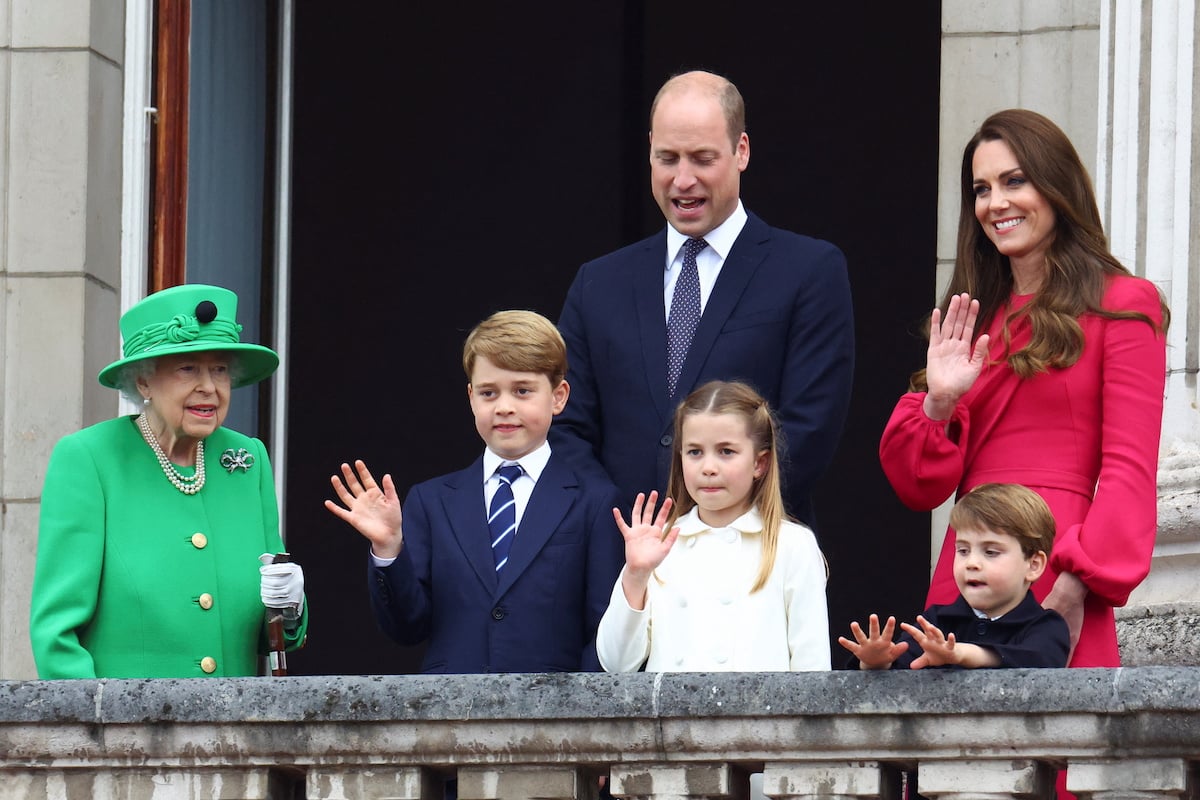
[[985, 780], [1148, 185], [831, 781], [373, 783], [258, 783], [60, 179], [527, 783], [1129, 779], [678, 781]]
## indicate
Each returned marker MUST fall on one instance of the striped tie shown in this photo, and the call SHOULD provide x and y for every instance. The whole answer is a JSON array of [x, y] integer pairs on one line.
[[502, 516]]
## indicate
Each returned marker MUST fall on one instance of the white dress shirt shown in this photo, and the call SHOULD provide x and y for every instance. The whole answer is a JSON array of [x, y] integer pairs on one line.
[[709, 260], [522, 488], [701, 617]]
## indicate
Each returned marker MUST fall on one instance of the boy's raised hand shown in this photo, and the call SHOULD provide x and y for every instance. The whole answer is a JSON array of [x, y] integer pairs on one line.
[[875, 648], [373, 511], [647, 543], [941, 649]]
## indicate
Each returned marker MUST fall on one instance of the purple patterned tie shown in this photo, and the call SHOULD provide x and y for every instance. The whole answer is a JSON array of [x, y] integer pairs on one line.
[[685, 312]]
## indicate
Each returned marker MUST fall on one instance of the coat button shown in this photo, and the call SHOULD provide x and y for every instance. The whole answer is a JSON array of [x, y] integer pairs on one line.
[[206, 601], [208, 664], [497, 613], [666, 440], [199, 541]]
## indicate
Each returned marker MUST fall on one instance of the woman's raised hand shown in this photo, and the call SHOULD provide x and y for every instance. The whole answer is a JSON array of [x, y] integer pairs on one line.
[[951, 363]]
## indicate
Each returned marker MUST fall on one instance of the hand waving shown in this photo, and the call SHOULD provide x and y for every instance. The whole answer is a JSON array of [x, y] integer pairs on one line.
[[373, 511], [647, 543], [951, 363]]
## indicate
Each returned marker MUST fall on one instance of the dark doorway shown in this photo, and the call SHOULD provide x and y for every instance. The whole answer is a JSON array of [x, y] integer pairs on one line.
[[448, 164]]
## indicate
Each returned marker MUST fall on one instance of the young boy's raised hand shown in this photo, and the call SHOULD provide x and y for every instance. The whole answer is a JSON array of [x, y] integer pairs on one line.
[[940, 649], [374, 511], [647, 542], [875, 648]]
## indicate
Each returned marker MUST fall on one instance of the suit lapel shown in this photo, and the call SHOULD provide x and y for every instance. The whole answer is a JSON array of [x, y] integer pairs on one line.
[[552, 498], [463, 503], [748, 252], [652, 318]]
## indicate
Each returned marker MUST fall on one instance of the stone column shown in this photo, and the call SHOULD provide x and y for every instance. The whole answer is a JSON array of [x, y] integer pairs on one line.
[[527, 783], [60, 179], [1129, 779], [679, 781], [1148, 183], [258, 783], [373, 783], [831, 781], [985, 780]]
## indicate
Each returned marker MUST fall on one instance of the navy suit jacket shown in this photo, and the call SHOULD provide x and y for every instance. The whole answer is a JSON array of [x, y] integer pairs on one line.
[[779, 317], [1027, 636], [541, 614]]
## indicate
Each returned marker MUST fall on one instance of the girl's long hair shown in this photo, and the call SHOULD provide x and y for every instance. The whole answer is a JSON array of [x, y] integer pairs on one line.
[[1078, 259], [733, 397]]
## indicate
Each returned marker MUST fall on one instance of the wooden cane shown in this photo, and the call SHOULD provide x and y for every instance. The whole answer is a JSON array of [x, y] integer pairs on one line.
[[276, 645]]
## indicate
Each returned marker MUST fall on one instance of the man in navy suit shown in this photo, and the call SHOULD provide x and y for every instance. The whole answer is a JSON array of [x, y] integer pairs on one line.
[[775, 311], [490, 592]]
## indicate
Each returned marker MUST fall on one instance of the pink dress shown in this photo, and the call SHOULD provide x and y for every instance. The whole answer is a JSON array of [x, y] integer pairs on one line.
[[1085, 438]]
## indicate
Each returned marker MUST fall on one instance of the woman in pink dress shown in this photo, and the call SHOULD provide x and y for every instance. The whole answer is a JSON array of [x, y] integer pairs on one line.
[[1063, 389]]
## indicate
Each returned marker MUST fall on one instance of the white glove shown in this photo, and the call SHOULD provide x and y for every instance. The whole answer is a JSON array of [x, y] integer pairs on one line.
[[282, 585]]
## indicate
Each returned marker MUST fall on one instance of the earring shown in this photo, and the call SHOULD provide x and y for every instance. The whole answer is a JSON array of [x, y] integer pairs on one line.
[[146, 401]]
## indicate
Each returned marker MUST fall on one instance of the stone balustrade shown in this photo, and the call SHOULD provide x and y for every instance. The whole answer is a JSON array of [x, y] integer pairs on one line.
[[1125, 733]]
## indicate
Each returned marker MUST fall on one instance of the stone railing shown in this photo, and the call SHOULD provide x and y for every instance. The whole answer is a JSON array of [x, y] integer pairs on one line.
[[1124, 733]]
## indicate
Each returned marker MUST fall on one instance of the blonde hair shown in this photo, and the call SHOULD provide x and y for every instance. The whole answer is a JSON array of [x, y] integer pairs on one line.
[[521, 341], [1007, 508], [734, 397]]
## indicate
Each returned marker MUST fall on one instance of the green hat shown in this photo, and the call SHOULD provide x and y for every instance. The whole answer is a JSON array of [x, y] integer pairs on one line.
[[193, 318]]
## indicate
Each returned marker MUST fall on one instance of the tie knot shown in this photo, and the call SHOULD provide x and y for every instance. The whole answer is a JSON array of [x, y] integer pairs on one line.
[[692, 247], [509, 472]]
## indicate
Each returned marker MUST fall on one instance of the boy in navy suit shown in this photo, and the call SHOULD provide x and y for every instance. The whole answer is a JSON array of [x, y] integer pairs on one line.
[[1004, 533], [507, 565]]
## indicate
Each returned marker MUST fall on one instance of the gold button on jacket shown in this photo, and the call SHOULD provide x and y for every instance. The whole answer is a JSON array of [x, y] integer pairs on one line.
[[208, 664]]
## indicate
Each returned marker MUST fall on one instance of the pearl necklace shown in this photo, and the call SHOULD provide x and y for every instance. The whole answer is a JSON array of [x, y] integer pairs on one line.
[[188, 484]]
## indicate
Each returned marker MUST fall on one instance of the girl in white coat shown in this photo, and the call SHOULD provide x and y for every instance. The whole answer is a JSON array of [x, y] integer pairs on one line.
[[718, 579]]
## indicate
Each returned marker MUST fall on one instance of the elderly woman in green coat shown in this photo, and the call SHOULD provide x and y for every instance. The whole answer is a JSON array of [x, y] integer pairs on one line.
[[153, 526]]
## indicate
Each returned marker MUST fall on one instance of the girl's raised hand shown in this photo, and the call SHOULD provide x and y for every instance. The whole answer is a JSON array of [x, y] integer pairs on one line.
[[951, 363], [647, 543]]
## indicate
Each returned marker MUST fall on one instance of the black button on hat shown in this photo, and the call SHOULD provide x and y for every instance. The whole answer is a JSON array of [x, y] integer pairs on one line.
[[206, 311]]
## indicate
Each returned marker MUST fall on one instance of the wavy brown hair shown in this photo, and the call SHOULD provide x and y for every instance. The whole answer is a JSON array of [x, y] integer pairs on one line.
[[739, 399], [1078, 259]]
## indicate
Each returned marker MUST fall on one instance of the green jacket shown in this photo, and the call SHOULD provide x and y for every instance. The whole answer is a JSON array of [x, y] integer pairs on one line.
[[124, 587]]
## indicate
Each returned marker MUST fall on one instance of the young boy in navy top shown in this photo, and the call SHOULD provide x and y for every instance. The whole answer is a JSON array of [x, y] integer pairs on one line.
[[507, 565], [1004, 533]]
